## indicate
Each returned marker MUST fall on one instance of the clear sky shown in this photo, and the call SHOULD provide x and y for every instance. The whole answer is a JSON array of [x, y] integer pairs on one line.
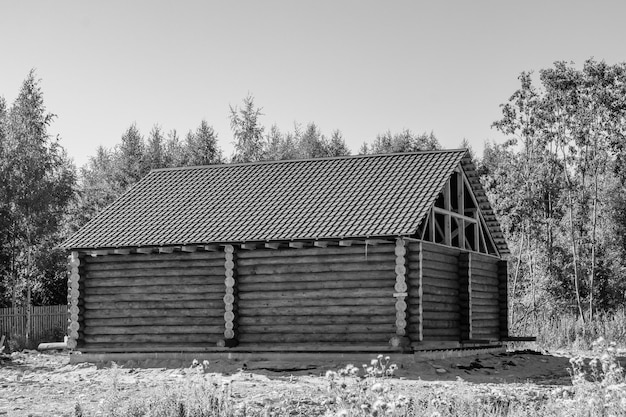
[[363, 67]]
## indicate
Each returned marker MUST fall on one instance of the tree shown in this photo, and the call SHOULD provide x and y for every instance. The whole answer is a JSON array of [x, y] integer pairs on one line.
[[130, 158], [337, 145], [405, 141], [201, 146], [155, 150], [247, 132], [37, 185]]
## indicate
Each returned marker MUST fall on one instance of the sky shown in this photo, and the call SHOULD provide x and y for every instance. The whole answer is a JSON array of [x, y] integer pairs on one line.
[[363, 67]]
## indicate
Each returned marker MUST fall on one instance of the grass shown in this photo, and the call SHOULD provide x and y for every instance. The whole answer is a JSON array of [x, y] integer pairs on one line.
[[598, 389]]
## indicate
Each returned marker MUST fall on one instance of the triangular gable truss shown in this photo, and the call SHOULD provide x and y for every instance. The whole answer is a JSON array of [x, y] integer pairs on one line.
[[456, 218]]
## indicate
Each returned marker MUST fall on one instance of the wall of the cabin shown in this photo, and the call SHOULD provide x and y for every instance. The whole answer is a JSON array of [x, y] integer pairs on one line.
[[144, 301], [485, 297], [329, 296]]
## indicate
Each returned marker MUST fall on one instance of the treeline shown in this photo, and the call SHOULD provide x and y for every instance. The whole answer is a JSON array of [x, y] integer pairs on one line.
[[557, 185], [45, 197]]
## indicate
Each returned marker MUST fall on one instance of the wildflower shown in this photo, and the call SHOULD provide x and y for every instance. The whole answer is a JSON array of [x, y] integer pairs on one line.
[[379, 357], [194, 363], [387, 358], [342, 413], [377, 388], [374, 362], [331, 374]]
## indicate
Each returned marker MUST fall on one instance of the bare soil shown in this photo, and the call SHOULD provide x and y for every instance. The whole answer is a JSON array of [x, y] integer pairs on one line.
[[46, 384]]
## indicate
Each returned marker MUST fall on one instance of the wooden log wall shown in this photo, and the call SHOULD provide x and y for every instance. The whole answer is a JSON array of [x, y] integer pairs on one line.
[[485, 297], [329, 296], [154, 301], [441, 315], [465, 292]]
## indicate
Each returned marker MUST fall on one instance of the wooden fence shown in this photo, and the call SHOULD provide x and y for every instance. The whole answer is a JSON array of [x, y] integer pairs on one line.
[[44, 321]]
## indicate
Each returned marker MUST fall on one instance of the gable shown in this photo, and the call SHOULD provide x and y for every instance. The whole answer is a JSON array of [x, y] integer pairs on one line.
[[333, 198], [461, 215]]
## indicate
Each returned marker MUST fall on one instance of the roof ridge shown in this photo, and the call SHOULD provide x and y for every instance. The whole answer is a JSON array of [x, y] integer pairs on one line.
[[327, 158]]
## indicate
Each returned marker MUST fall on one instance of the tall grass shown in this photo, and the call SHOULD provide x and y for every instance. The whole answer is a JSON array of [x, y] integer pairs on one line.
[[570, 332]]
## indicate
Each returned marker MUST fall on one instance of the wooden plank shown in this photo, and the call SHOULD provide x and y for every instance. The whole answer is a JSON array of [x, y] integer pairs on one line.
[[489, 295], [452, 333], [442, 315], [429, 289], [485, 302], [441, 324], [485, 309], [451, 267], [431, 275], [436, 298], [435, 307], [476, 287]]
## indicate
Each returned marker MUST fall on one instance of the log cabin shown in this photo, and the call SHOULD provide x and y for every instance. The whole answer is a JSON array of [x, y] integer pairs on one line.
[[397, 252]]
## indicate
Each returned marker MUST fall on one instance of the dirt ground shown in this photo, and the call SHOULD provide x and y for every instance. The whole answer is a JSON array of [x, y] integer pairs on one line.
[[45, 384]]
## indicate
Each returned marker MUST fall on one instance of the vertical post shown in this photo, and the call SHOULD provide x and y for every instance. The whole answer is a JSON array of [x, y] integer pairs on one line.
[[503, 292], [461, 206], [465, 294], [400, 294], [230, 329], [421, 293], [447, 219], [73, 294]]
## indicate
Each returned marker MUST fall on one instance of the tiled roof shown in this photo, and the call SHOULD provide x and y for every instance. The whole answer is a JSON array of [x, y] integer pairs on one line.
[[332, 198]]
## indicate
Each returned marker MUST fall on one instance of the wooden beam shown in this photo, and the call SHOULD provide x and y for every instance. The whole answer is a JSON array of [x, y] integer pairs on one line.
[[320, 244], [99, 252], [248, 246], [375, 242], [460, 195], [166, 249], [453, 214], [345, 243], [272, 245], [145, 251], [189, 248], [211, 248], [121, 251], [296, 245], [431, 219]]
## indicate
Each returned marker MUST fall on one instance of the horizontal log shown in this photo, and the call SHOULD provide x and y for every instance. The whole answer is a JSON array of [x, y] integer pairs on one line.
[[386, 311], [332, 293], [318, 329], [318, 276], [476, 287], [188, 314], [485, 309], [274, 338], [149, 339], [336, 250], [428, 306], [151, 347], [140, 264], [216, 319], [313, 268], [451, 333], [441, 324], [430, 275], [413, 312], [484, 259], [485, 302], [485, 280], [138, 281], [493, 317], [451, 267], [156, 272], [305, 320], [157, 289], [485, 295], [437, 257], [151, 297], [142, 305], [360, 258], [437, 298], [427, 288], [381, 284], [165, 331], [308, 302], [154, 257]]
